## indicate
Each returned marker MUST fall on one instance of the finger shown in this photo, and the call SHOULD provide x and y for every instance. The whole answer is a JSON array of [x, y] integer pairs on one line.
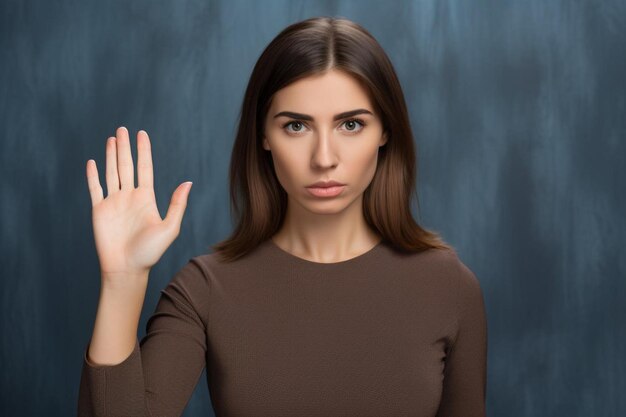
[[93, 183], [175, 211], [144, 160], [112, 179], [125, 167]]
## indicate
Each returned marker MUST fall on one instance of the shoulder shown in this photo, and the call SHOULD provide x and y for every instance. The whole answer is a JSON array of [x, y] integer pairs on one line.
[[192, 270], [443, 262], [190, 283], [213, 265], [461, 276], [461, 284], [469, 294], [441, 268]]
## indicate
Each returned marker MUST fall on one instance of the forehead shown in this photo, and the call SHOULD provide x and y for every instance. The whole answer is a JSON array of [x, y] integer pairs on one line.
[[324, 95]]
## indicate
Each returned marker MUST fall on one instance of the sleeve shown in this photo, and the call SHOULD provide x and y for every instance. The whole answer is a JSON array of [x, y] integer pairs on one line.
[[465, 372], [159, 376]]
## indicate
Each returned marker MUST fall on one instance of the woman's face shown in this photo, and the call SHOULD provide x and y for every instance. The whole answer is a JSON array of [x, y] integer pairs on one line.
[[319, 143]]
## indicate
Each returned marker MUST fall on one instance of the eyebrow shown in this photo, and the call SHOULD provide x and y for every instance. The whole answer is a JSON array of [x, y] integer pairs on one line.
[[339, 116]]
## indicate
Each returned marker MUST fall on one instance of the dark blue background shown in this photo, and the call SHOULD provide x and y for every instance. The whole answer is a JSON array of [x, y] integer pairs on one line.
[[519, 114]]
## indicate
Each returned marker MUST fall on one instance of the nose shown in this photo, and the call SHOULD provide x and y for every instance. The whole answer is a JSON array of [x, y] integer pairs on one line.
[[324, 154]]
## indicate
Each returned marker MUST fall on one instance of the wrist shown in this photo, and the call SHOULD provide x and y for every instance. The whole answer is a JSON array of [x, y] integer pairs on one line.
[[130, 281]]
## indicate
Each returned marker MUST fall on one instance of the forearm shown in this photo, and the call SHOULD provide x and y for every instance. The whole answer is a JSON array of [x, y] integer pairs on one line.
[[117, 319]]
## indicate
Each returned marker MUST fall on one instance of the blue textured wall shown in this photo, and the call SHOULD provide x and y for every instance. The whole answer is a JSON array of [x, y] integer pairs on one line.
[[519, 113]]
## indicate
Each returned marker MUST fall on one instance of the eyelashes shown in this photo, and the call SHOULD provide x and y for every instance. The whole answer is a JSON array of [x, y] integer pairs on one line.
[[299, 122]]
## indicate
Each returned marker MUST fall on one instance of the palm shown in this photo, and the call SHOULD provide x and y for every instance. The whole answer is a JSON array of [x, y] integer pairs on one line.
[[129, 232], [123, 224]]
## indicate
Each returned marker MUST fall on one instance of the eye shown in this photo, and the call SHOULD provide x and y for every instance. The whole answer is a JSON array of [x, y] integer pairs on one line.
[[351, 125], [295, 123]]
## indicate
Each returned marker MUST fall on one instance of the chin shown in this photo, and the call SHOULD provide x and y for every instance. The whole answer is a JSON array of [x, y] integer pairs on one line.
[[325, 206]]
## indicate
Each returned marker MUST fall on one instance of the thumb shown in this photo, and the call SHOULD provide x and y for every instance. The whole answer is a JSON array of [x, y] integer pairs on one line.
[[178, 204]]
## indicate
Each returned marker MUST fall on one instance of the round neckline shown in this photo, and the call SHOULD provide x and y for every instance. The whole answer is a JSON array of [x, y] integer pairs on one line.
[[292, 257]]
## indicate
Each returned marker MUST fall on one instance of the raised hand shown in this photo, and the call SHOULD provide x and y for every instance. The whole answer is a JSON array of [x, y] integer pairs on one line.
[[129, 233]]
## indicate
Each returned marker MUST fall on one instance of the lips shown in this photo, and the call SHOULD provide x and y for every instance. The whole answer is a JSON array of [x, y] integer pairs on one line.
[[324, 184]]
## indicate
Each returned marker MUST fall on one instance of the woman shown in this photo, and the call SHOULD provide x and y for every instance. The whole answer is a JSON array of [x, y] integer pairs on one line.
[[328, 299]]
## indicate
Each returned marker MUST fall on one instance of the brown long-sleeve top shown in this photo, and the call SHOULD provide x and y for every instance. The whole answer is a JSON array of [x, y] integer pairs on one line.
[[381, 334]]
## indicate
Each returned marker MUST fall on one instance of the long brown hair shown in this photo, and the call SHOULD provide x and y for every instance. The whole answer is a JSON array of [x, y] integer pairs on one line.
[[310, 47]]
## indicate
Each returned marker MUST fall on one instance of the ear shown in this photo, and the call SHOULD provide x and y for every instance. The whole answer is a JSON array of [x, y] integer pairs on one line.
[[266, 144], [384, 138]]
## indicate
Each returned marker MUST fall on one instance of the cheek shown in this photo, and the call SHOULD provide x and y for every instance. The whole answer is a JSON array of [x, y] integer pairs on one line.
[[362, 164], [287, 166]]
